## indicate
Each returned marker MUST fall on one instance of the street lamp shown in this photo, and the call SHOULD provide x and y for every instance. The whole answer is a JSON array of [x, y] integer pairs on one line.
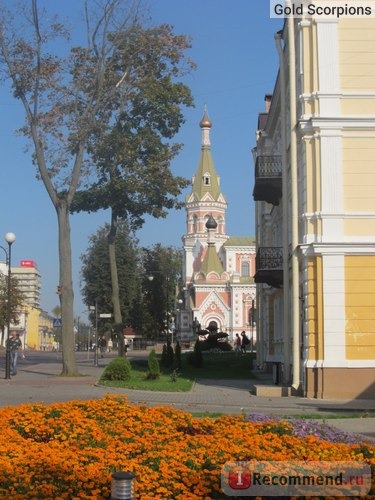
[[252, 320], [10, 239], [95, 309]]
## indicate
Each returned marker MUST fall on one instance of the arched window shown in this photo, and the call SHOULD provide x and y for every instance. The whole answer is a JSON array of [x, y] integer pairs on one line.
[[245, 269], [206, 179], [195, 223]]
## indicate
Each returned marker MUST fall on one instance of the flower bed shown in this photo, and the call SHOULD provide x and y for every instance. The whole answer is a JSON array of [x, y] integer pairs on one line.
[[69, 450]]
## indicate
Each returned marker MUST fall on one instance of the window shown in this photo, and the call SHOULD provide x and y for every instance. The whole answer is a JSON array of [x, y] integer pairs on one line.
[[245, 269], [206, 180], [195, 223]]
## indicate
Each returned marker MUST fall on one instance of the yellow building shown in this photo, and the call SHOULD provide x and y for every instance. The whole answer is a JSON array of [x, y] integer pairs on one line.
[[315, 220], [36, 328]]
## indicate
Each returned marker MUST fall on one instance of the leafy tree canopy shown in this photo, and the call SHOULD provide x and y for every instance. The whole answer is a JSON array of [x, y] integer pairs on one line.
[[131, 149], [162, 268]]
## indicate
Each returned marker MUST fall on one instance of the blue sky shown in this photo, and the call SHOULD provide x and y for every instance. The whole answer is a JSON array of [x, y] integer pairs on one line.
[[234, 49]]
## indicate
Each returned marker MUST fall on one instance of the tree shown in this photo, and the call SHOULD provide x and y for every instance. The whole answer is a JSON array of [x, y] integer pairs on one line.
[[153, 366], [163, 266], [16, 302], [132, 153], [67, 99], [96, 278]]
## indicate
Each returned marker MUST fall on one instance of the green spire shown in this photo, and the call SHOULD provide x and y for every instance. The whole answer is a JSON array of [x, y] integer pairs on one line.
[[211, 261], [206, 179]]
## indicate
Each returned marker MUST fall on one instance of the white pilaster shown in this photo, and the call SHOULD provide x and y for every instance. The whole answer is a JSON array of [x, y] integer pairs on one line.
[[334, 309]]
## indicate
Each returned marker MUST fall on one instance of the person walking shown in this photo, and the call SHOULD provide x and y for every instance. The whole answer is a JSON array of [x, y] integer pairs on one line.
[[110, 345], [15, 345], [244, 342], [102, 344], [237, 344]]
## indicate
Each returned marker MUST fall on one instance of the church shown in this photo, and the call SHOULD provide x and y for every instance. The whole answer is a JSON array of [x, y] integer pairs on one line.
[[218, 287]]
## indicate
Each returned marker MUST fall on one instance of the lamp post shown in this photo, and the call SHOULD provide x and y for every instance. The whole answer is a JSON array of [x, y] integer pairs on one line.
[[10, 239], [95, 309], [252, 323]]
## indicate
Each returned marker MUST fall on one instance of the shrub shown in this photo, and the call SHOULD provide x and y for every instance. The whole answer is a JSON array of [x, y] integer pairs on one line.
[[163, 359], [177, 356], [170, 355], [153, 366], [117, 369], [195, 358], [212, 343]]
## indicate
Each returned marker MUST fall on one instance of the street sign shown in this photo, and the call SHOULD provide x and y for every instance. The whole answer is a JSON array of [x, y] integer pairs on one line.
[[57, 322], [105, 315]]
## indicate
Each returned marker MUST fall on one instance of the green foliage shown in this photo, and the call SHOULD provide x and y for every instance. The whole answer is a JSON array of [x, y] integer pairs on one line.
[[174, 375], [145, 67], [195, 358], [164, 265], [153, 366], [163, 359], [96, 275], [177, 356], [170, 355], [16, 300], [213, 344], [117, 369]]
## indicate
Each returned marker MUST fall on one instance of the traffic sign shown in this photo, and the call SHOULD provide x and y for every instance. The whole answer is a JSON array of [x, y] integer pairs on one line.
[[57, 322]]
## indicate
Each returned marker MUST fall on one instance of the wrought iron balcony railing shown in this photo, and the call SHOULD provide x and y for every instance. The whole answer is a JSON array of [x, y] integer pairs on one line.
[[268, 179], [269, 266]]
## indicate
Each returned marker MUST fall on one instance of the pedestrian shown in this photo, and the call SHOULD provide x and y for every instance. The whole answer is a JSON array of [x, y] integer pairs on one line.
[[110, 345], [102, 344], [15, 345], [237, 344], [244, 342]]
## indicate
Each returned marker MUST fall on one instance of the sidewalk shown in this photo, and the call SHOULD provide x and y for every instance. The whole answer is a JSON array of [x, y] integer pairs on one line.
[[38, 380]]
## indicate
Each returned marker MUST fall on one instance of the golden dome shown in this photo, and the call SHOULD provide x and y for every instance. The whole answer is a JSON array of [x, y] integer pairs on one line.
[[205, 121]]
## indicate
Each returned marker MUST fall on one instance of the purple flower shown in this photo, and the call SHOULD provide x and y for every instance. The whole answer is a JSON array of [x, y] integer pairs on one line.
[[303, 428]]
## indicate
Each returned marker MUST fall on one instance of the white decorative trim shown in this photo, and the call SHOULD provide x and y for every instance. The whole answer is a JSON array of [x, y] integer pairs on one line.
[[334, 309], [350, 363], [311, 216], [331, 180], [311, 249], [328, 71]]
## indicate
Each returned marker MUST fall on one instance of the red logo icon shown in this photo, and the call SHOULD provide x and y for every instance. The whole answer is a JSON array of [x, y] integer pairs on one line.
[[239, 479]]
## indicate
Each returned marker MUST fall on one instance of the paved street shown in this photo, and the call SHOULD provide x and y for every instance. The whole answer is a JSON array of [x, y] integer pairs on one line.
[[38, 380]]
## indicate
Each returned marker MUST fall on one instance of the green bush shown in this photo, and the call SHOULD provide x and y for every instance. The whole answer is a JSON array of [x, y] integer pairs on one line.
[[195, 358], [153, 366], [170, 355], [163, 359], [177, 356], [223, 345], [117, 369]]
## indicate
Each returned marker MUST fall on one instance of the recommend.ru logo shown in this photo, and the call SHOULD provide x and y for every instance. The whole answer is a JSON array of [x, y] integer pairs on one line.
[[296, 478]]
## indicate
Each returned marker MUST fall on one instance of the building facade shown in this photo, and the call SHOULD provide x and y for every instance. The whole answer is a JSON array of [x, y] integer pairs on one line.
[[315, 210], [34, 325], [218, 284], [28, 278]]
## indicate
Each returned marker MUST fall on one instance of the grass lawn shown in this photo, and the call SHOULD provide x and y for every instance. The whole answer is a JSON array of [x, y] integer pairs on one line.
[[226, 365]]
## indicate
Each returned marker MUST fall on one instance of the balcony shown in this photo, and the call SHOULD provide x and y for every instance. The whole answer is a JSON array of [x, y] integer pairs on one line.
[[269, 266], [268, 179]]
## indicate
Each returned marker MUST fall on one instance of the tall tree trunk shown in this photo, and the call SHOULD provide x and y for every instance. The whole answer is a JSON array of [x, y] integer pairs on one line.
[[69, 365], [117, 316]]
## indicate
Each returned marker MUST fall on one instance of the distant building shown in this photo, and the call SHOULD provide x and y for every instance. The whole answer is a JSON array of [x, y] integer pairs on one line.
[[34, 325], [28, 278], [218, 285]]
